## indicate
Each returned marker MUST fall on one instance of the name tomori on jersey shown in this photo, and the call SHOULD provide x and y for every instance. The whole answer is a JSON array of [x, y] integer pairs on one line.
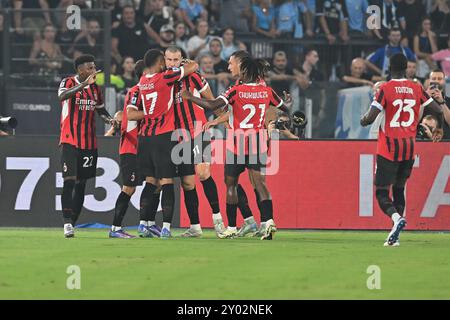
[[404, 90]]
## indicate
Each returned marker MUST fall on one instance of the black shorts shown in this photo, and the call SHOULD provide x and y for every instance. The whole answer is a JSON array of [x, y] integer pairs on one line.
[[200, 152], [392, 172], [78, 163], [154, 156], [128, 170], [235, 165]]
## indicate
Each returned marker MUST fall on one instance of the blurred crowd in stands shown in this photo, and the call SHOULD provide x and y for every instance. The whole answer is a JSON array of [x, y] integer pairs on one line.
[[309, 43]]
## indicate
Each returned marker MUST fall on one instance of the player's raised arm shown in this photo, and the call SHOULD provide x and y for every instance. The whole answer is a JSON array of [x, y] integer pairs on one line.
[[65, 92], [278, 103], [221, 119], [204, 103], [189, 67]]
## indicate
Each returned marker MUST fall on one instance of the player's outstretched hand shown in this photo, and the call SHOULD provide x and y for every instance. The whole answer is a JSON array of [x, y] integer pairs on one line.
[[91, 79], [209, 125], [114, 123]]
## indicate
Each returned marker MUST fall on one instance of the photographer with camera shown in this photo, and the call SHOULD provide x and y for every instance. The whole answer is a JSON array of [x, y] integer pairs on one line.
[[5, 123], [286, 129], [436, 90], [428, 129]]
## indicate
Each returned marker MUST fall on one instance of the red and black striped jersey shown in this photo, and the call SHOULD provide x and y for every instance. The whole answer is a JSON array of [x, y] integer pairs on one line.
[[188, 115], [78, 114], [401, 102], [129, 128], [157, 94], [248, 103]]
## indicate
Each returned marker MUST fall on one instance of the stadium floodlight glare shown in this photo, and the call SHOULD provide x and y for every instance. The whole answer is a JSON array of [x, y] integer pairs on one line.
[[9, 122]]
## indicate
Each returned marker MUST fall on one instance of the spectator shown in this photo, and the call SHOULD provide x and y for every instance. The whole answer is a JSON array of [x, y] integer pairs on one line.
[[198, 44], [391, 18], [435, 88], [190, 11], [378, 61], [440, 15], [89, 44], [263, 21], [217, 82], [116, 11], [31, 22], [357, 12], [427, 127], [424, 46], [130, 38], [333, 18], [229, 44], [236, 14], [411, 71], [128, 75], [215, 49], [45, 55], [443, 56], [167, 35], [308, 70], [290, 19], [281, 76], [413, 12], [358, 76], [152, 13], [181, 39]]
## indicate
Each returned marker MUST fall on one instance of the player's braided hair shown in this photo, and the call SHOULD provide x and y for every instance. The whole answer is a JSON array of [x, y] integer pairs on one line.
[[253, 69]]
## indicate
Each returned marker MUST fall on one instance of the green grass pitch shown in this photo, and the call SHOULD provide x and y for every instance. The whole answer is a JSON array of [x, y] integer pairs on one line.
[[295, 265]]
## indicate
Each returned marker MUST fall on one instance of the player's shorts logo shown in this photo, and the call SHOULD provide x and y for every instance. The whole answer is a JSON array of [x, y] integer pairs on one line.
[[65, 167], [133, 177]]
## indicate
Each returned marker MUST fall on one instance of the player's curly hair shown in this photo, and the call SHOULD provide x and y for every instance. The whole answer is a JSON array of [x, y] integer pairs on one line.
[[253, 69], [83, 59]]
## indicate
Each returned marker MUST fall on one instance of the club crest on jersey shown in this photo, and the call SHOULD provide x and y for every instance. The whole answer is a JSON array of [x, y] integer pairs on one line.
[[64, 167]]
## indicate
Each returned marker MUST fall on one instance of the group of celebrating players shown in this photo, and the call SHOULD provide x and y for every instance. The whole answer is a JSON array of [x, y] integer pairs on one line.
[[166, 110]]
